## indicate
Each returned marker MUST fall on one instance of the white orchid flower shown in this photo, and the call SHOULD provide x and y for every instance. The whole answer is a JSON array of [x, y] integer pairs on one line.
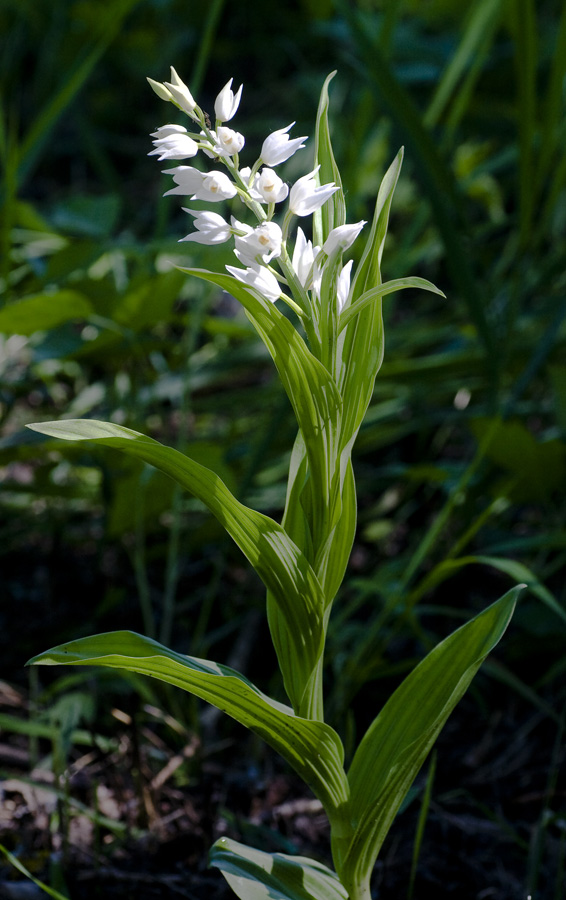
[[277, 147], [306, 196], [229, 141], [264, 241], [227, 102], [211, 228], [213, 186], [270, 187], [260, 278], [180, 94], [246, 176], [304, 255], [187, 179], [222, 143], [343, 286], [173, 142], [342, 237]]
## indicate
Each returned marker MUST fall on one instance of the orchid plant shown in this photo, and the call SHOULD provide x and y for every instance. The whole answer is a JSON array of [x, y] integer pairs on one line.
[[327, 347]]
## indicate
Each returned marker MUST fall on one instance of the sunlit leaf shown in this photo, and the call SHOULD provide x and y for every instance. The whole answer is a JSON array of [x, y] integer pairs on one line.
[[388, 288], [255, 875], [333, 212], [309, 386], [313, 749], [399, 739], [284, 570]]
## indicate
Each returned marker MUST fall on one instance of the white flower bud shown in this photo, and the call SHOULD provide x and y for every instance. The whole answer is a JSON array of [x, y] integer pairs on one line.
[[227, 103], [342, 237], [180, 93], [343, 286], [304, 255], [160, 89]]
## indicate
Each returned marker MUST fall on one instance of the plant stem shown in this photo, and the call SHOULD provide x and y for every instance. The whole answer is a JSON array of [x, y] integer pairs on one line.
[[360, 891]]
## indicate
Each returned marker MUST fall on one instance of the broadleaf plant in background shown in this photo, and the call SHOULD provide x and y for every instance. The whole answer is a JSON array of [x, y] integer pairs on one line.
[[327, 344]]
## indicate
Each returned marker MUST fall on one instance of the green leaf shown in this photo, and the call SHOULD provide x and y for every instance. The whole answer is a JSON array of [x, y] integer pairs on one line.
[[280, 564], [313, 749], [399, 739], [388, 288], [255, 875], [41, 312], [516, 570], [332, 559], [362, 353], [333, 213], [310, 387]]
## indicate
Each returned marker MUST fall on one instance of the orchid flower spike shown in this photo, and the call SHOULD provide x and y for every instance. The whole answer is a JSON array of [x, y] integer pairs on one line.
[[227, 102]]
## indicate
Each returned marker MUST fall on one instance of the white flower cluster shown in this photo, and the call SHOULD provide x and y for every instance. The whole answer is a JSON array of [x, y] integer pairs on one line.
[[257, 187]]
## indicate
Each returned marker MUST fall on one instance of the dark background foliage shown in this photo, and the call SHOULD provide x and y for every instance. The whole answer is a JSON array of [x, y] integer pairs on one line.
[[461, 464]]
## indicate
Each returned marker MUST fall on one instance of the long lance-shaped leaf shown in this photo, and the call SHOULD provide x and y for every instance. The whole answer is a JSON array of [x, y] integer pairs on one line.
[[330, 563], [310, 387], [362, 352], [313, 749], [280, 564], [389, 287], [256, 875], [333, 212], [398, 741], [333, 557], [296, 525]]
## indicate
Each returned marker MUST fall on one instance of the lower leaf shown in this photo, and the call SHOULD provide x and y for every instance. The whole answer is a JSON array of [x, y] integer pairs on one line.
[[255, 875], [399, 739], [313, 749]]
